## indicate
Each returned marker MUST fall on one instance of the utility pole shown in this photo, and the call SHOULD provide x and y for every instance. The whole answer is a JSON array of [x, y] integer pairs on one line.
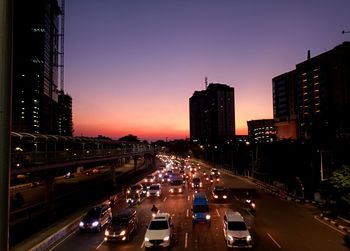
[[5, 117]]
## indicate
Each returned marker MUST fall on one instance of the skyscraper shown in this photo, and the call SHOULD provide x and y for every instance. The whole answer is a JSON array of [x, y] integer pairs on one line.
[[35, 66], [212, 113], [65, 125]]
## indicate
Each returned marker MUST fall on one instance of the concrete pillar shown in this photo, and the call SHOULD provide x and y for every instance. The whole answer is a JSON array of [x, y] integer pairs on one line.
[[113, 167], [5, 117], [48, 182], [135, 162]]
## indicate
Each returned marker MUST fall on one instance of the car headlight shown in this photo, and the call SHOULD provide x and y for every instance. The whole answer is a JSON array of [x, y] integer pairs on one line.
[[106, 232], [81, 224], [95, 224], [225, 197], [122, 232], [249, 238], [166, 238], [146, 239], [207, 216], [147, 193], [230, 238], [215, 196], [193, 216]]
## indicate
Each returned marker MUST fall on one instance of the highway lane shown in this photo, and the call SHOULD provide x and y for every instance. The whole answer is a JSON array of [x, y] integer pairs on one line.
[[278, 225]]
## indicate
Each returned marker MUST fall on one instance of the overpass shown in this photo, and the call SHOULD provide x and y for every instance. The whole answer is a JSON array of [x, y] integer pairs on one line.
[[49, 156]]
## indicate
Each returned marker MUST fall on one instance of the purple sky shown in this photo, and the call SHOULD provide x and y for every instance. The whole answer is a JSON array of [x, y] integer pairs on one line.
[[132, 65]]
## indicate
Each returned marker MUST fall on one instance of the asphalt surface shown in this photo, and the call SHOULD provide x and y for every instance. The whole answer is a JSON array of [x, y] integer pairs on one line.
[[278, 224]]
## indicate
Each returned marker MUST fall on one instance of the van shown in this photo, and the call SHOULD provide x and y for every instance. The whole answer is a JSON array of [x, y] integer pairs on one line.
[[200, 209]]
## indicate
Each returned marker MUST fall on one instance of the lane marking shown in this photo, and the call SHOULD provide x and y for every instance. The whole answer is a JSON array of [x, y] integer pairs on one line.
[[278, 245], [99, 245], [217, 211], [187, 212], [64, 239], [188, 197], [143, 244], [334, 228], [236, 198], [165, 198], [186, 237]]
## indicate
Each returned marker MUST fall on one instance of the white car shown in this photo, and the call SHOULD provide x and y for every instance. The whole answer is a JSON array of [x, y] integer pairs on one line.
[[159, 231], [236, 232], [155, 190]]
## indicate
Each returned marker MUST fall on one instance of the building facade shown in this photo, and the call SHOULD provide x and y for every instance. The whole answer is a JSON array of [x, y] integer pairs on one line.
[[212, 114], [313, 101], [65, 125], [35, 66], [261, 131]]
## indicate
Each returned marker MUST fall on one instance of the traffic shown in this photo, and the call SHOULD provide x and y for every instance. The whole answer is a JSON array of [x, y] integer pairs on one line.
[[186, 211]]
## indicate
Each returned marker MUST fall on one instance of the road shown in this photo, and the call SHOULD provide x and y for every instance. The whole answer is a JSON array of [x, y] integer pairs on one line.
[[278, 224]]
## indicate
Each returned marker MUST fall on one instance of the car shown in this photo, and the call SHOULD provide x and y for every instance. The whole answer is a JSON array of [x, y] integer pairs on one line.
[[236, 232], [96, 218], [219, 193], [150, 179], [155, 190], [69, 175], [196, 182], [165, 178], [159, 232], [176, 185], [136, 188], [133, 198], [92, 171], [122, 225], [215, 172]]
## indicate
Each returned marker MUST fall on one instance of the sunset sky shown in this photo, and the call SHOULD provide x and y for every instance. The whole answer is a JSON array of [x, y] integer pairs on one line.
[[132, 65]]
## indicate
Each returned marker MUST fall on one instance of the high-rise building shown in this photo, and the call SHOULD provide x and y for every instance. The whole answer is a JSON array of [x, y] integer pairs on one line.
[[65, 124], [212, 113], [284, 106], [261, 131], [35, 66], [316, 97]]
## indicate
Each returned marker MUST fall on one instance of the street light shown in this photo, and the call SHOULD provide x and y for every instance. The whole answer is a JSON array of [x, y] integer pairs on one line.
[[343, 32]]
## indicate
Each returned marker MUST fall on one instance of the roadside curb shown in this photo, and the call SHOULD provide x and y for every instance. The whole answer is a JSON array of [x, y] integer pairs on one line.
[[277, 193], [336, 224], [45, 242]]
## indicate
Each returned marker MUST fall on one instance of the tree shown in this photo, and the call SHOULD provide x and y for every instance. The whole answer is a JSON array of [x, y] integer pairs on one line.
[[130, 138], [340, 180]]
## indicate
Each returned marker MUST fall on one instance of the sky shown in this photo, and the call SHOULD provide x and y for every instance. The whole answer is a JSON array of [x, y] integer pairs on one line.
[[132, 65]]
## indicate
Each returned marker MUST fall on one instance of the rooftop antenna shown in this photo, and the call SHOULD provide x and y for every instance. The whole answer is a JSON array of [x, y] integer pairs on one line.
[[206, 82]]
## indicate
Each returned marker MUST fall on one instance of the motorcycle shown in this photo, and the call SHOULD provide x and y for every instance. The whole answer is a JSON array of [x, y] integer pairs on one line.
[[251, 206], [154, 211]]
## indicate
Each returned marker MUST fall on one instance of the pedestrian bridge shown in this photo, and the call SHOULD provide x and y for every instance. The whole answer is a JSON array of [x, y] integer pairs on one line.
[[39, 152]]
